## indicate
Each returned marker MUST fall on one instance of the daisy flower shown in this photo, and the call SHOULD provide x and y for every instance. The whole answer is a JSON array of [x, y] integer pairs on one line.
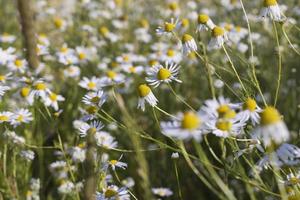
[[112, 78], [231, 4], [171, 56], [146, 95], [131, 69], [78, 154], [163, 74], [3, 89], [21, 116], [292, 179], [186, 126], [90, 84], [117, 164], [72, 71], [6, 116], [218, 38], [40, 89], [218, 108], [105, 140], [271, 9], [168, 27], [113, 192], [286, 154], [95, 98], [94, 126], [225, 127], [250, 110], [7, 55], [60, 23], [7, 38], [52, 100], [271, 129], [188, 44], [162, 192], [204, 23], [18, 65], [5, 77]]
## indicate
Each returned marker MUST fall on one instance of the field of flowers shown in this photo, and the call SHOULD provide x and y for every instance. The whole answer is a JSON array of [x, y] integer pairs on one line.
[[150, 99]]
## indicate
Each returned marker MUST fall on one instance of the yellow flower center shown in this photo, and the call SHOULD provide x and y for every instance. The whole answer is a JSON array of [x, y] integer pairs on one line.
[[58, 22], [126, 58], [192, 55], [40, 86], [173, 6], [91, 85], [53, 96], [20, 118], [250, 104], [91, 109], [229, 115], [228, 27], [144, 23], [153, 62], [169, 27], [103, 30], [18, 63], [64, 49], [190, 121], [2, 78], [268, 3], [110, 193], [217, 31], [238, 28], [269, 115], [223, 109], [81, 56], [233, 1], [186, 38], [111, 74], [95, 100], [294, 180], [4, 118], [224, 125], [203, 19], [144, 90], [113, 162], [163, 74], [170, 53], [132, 69], [25, 91], [185, 22]]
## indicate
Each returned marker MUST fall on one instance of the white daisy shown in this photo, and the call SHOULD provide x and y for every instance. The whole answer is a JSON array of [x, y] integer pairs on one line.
[[52, 100], [95, 98], [162, 192], [146, 95], [113, 192], [271, 9], [112, 78], [204, 23], [186, 126], [168, 27], [163, 74], [21, 116], [250, 110], [6, 116], [94, 126], [117, 163], [218, 38], [225, 127], [90, 84], [188, 44], [105, 140], [271, 129], [18, 65]]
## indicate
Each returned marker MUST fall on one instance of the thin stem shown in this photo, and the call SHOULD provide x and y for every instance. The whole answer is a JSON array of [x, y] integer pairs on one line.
[[234, 70], [279, 63], [179, 98], [252, 54], [164, 112], [177, 179], [288, 39]]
